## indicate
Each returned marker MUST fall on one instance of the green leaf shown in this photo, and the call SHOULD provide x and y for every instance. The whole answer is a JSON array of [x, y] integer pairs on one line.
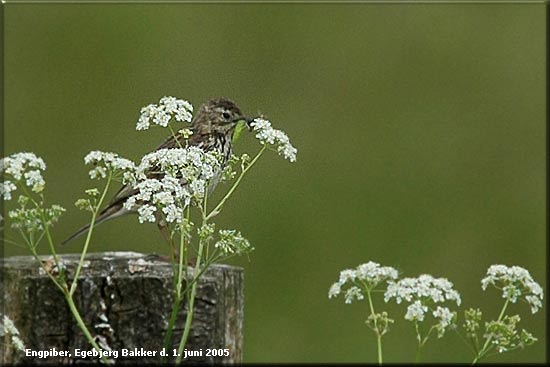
[[241, 125]]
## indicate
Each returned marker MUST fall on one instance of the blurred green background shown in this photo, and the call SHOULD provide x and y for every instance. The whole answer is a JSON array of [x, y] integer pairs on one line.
[[420, 129]]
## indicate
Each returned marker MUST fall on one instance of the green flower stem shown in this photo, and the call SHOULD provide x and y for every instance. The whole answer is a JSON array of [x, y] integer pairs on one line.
[[419, 338], [171, 253], [185, 252], [178, 297], [421, 341], [53, 279], [46, 230], [63, 287], [174, 314], [178, 294], [175, 309], [174, 135], [89, 235], [417, 357], [181, 265], [52, 246], [470, 345], [196, 275], [487, 346], [378, 336], [218, 207], [171, 323], [68, 294], [190, 309], [13, 243], [81, 324], [194, 280]]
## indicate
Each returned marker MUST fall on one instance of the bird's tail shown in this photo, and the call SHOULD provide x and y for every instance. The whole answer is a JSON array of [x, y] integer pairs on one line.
[[109, 212]]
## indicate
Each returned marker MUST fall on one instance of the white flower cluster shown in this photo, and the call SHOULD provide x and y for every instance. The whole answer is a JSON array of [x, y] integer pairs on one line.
[[422, 292], [182, 175], [189, 163], [6, 188], [109, 162], [514, 281], [423, 287], [22, 166], [446, 318], [162, 114], [367, 275], [268, 135], [232, 242], [167, 194], [8, 328], [416, 311], [353, 293]]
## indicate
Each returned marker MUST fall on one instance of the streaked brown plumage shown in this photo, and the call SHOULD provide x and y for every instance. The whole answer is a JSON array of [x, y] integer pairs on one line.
[[212, 127]]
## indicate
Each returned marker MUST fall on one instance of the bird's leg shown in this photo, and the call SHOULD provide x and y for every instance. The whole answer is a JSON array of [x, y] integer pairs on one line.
[[166, 235], [174, 249]]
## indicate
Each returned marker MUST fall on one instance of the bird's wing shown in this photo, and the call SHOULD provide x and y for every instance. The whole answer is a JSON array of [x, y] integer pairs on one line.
[[170, 142], [122, 194], [127, 190]]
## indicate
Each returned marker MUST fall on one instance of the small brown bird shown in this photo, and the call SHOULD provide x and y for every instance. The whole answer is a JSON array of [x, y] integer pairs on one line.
[[212, 128]]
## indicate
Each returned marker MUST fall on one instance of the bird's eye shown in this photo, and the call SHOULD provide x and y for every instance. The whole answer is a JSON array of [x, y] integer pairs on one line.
[[226, 115]]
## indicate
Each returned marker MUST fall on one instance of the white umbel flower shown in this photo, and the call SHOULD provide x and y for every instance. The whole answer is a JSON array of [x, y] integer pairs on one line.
[[16, 164], [416, 311], [168, 108], [266, 134], [422, 293], [368, 275], [105, 162], [334, 290], [444, 315], [22, 166], [6, 188], [425, 286], [514, 281], [186, 174], [353, 293]]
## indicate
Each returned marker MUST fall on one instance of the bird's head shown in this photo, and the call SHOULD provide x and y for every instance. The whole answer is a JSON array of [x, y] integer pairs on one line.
[[219, 115]]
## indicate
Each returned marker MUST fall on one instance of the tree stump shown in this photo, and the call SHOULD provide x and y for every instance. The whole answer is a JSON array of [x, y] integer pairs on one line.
[[125, 300]]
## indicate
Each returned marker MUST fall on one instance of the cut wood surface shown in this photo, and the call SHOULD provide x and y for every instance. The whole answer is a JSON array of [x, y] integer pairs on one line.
[[125, 299]]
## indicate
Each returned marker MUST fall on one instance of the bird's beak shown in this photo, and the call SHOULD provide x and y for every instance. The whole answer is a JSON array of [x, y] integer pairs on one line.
[[249, 121]]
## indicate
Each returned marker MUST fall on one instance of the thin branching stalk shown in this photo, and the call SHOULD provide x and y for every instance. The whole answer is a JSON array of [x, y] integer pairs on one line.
[[81, 324], [52, 246], [46, 231], [178, 282], [190, 310], [218, 207], [470, 345], [89, 236], [486, 347], [377, 332], [175, 137], [421, 341], [196, 274], [53, 279], [63, 286]]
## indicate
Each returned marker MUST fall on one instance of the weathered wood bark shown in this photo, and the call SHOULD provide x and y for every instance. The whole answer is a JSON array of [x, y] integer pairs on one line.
[[125, 299]]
